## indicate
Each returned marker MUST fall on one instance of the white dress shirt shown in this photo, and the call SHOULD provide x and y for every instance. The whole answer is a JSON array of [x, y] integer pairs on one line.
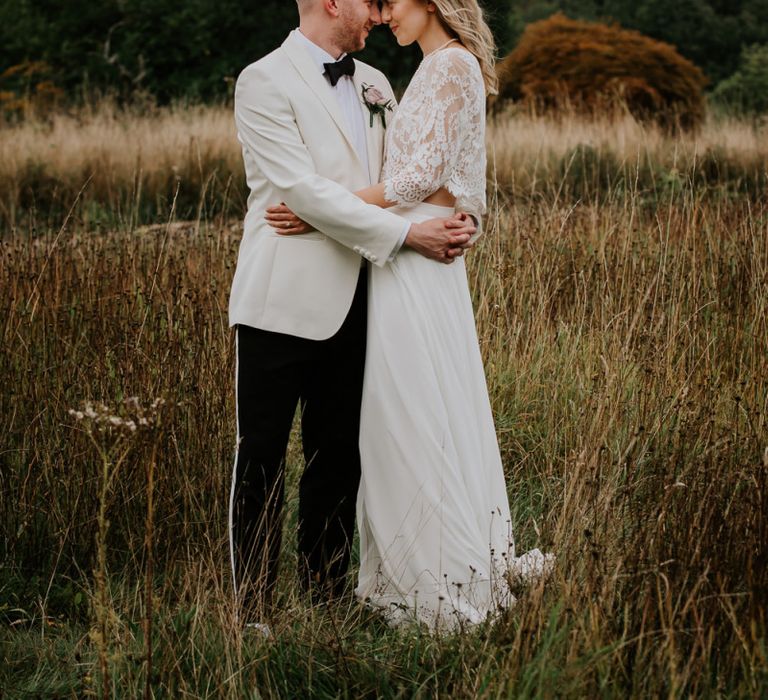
[[346, 95]]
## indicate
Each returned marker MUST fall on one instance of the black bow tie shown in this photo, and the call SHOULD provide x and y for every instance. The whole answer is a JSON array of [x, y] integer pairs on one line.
[[334, 71]]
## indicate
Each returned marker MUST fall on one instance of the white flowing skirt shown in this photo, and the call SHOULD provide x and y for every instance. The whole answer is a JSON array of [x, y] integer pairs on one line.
[[436, 541]]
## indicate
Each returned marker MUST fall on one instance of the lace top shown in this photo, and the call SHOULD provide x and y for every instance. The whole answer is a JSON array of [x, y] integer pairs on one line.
[[437, 136]]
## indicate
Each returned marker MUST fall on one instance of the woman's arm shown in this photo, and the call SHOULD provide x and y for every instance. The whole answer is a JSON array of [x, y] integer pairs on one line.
[[375, 195]]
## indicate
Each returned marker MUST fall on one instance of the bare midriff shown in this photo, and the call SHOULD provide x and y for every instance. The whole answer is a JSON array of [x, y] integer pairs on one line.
[[441, 198]]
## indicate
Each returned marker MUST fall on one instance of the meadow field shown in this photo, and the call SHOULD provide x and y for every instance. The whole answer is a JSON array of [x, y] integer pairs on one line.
[[621, 297]]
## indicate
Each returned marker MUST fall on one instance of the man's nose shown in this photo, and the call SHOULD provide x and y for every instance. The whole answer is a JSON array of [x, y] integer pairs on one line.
[[375, 12]]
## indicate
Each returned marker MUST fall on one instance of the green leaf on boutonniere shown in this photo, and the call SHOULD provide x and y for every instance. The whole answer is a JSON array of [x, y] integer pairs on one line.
[[376, 103]]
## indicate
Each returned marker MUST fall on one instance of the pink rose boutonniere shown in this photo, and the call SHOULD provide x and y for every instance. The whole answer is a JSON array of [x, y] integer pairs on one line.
[[376, 103]]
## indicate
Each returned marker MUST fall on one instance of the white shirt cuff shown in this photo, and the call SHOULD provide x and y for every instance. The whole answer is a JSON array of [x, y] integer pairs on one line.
[[399, 244]]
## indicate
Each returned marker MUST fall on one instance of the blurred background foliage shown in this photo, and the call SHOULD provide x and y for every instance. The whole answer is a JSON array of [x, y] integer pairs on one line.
[[746, 91], [165, 50], [711, 33]]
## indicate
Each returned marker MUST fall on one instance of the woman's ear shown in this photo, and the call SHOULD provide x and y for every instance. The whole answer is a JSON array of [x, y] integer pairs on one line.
[[431, 7]]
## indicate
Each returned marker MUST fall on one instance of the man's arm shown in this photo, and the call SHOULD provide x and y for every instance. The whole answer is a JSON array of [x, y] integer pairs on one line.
[[267, 129]]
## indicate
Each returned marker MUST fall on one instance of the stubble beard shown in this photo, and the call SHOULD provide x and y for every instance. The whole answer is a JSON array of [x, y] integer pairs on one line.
[[349, 35]]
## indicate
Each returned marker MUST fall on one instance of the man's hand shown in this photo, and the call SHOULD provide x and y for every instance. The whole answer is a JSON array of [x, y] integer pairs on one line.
[[443, 240]]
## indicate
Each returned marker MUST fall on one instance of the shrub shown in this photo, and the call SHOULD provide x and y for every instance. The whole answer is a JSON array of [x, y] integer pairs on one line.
[[594, 67], [746, 91]]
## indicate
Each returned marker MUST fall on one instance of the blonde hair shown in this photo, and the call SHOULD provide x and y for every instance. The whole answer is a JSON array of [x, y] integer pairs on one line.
[[464, 19]]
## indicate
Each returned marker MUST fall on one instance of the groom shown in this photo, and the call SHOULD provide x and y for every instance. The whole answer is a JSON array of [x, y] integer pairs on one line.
[[298, 303]]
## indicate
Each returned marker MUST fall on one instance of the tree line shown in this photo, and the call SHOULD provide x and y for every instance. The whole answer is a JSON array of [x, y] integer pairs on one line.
[[194, 49]]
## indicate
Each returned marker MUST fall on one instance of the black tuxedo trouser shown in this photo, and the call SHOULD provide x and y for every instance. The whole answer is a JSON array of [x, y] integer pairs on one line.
[[275, 372]]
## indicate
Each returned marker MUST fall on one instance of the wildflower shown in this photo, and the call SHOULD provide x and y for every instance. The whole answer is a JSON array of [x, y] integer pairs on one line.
[[129, 416]]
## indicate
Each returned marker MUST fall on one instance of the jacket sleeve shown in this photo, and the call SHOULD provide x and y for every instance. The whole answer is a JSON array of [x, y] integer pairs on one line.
[[267, 129]]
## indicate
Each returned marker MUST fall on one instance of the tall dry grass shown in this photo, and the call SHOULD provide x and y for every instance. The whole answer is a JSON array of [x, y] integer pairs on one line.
[[625, 335], [584, 158], [133, 164]]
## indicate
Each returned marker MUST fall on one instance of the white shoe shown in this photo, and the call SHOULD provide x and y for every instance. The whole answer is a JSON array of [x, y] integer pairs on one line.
[[532, 566], [259, 629]]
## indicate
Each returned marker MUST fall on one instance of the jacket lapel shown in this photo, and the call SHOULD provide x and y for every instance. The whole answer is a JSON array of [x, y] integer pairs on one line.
[[317, 83], [374, 135]]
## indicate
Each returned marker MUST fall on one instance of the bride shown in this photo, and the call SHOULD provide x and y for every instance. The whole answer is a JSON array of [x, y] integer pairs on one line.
[[436, 541]]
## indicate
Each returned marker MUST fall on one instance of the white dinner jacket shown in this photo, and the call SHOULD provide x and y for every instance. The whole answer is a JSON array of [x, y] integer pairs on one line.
[[296, 151]]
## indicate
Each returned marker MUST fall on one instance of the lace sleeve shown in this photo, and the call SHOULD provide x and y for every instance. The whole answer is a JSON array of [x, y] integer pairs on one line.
[[446, 120]]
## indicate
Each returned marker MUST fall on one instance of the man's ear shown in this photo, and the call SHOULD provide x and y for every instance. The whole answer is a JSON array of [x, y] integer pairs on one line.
[[331, 7]]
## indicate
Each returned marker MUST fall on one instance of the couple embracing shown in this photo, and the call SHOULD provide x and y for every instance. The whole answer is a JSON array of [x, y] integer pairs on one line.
[[350, 299]]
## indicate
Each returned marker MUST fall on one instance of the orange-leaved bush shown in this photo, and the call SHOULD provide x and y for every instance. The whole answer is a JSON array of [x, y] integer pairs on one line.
[[597, 68], [26, 90]]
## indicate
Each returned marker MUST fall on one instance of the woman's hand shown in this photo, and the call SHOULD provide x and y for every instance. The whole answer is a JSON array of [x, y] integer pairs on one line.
[[285, 222], [465, 217]]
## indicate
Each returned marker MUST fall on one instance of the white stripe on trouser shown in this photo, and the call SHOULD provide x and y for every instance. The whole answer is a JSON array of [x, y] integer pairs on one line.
[[234, 468]]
